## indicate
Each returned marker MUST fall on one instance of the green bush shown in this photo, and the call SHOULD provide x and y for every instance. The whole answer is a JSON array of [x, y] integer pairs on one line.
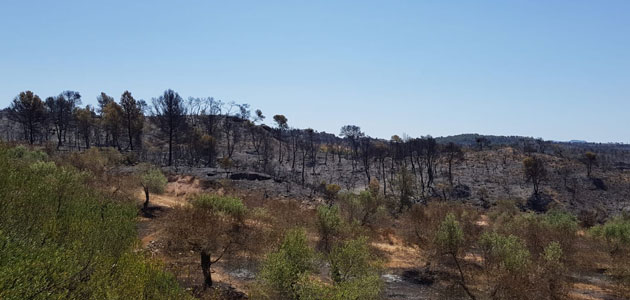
[[309, 288], [26, 155], [507, 252], [615, 232], [283, 268], [154, 180], [368, 288], [96, 160], [553, 254], [449, 236], [559, 220], [353, 271], [538, 230], [364, 208], [61, 239], [616, 235], [225, 204], [351, 260], [328, 224]]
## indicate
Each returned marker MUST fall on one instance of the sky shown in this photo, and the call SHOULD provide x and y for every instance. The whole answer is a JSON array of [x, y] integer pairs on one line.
[[559, 70]]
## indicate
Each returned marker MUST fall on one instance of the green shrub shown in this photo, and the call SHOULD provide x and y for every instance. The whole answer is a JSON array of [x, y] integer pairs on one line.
[[507, 252], [364, 288], [96, 160], [61, 239], [552, 254], [367, 287], [559, 220], [537, 231], [43, 167], [404, 187], [351, 260], [154, 180], [616, 235], [364, 208], [283, 268], [309, 288], [225, 204], [22, 153], [449, 236], [354, 273], [328, 224], [615, 232]]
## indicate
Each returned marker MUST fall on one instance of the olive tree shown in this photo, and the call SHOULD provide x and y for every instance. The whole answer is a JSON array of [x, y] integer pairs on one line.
[[449, 240], [212, 226], [152, 181], [328, 224]]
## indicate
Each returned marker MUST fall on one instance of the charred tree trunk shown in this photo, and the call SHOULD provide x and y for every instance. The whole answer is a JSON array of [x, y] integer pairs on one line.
[[384, 177], [206, 263], [170, 146], [87, 141], [303, 164], [129, 132], [146, 201]]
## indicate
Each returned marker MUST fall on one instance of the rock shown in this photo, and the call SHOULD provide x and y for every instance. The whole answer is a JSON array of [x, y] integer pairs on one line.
[[539, 202], [461, 191], [423, 277], [599, 184], [391, 278], [243, 274], [249, 176]]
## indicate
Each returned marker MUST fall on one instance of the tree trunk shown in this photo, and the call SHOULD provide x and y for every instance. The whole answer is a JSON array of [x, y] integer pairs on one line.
[[146, 201], [170, 146], [462, 279], [31, 139], [279, 150], [450, 171], [205, 268], [129, 132], [58, 137], [303, 163], [384, 177]]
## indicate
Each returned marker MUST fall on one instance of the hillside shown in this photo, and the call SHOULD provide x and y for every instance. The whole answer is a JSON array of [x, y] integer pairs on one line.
[[235, 209]]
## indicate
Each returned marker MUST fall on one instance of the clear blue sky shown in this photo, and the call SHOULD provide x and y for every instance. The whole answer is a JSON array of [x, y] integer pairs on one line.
[[553, 69]]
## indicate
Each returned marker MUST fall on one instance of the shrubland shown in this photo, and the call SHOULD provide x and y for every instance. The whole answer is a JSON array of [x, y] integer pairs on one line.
[[60, 238]]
